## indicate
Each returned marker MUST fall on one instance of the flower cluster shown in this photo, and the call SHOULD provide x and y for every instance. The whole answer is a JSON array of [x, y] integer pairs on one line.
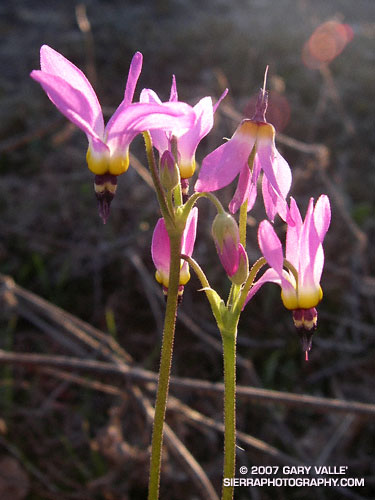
[[176, 130]]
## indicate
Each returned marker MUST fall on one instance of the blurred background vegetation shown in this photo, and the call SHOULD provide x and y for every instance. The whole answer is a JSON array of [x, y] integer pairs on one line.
[[63, 438]]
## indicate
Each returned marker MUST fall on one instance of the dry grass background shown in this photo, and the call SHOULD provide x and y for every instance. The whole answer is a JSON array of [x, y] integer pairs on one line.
[[75, 430]]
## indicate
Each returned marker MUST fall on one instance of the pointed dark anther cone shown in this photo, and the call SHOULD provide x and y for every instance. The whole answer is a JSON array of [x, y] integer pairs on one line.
[[305, 321], [261, 107], [185, 189], [105, 190], [305, 337]]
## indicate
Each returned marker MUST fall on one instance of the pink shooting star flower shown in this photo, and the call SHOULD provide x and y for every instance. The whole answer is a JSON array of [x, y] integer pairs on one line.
[[187, 140], [250, 150], [161, 252], [300, 293], [108, 152]]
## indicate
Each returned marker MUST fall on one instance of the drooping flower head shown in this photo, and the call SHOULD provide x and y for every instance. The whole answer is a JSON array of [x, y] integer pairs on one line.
[[300, 284], [250, 150], [161, 250], [108, 152], [187, 140]]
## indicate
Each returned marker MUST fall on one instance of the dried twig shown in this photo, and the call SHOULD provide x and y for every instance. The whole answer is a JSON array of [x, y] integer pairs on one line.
[[138, 374], [251, 441]]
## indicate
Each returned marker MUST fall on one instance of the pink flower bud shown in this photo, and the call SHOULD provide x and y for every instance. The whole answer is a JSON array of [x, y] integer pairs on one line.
[[242, 272], [227, 239]]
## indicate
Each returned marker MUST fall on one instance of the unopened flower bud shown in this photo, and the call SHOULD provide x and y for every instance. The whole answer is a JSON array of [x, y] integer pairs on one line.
[[243, 267], [227, 239], [169, 172]]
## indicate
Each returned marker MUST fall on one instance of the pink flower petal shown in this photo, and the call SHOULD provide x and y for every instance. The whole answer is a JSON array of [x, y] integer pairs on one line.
[[293, 235], [269, 198], [148, 95], [266, 153], [69, 101], [270, 246], [160, 247], [245, 188], [309, 243], [159, 137], [322, 216], [190, 232], [220, 167], [229, 256], [134, 72], [318, 266], [283, 173], [138, 117], [188, 142], [54, 63]]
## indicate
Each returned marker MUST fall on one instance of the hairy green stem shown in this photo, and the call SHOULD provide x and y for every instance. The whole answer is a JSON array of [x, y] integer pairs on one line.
[[165, 210], [195, 197], [229, 348], [177, 192], [165, 367], [243, 223], [257, 266], [212, 296]]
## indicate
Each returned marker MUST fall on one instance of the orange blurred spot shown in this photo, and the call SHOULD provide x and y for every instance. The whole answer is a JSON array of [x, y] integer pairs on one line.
[[326, 43]]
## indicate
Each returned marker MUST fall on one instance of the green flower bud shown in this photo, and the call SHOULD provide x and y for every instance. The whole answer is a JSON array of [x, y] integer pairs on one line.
[[169, 172]]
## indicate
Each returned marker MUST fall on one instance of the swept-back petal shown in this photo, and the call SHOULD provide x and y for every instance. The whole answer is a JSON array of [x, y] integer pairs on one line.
[[149, 95], [220, 167], [293, 234], [159, 137], [322, 216], [134, 72], [270, 198], [244, 186], [309, 243], [282, 172], [160, 247], [188, 142], [266, 153], [318, 265], [190, 232], [54, 63], [270, 246], [69, 101], [138, 117]]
